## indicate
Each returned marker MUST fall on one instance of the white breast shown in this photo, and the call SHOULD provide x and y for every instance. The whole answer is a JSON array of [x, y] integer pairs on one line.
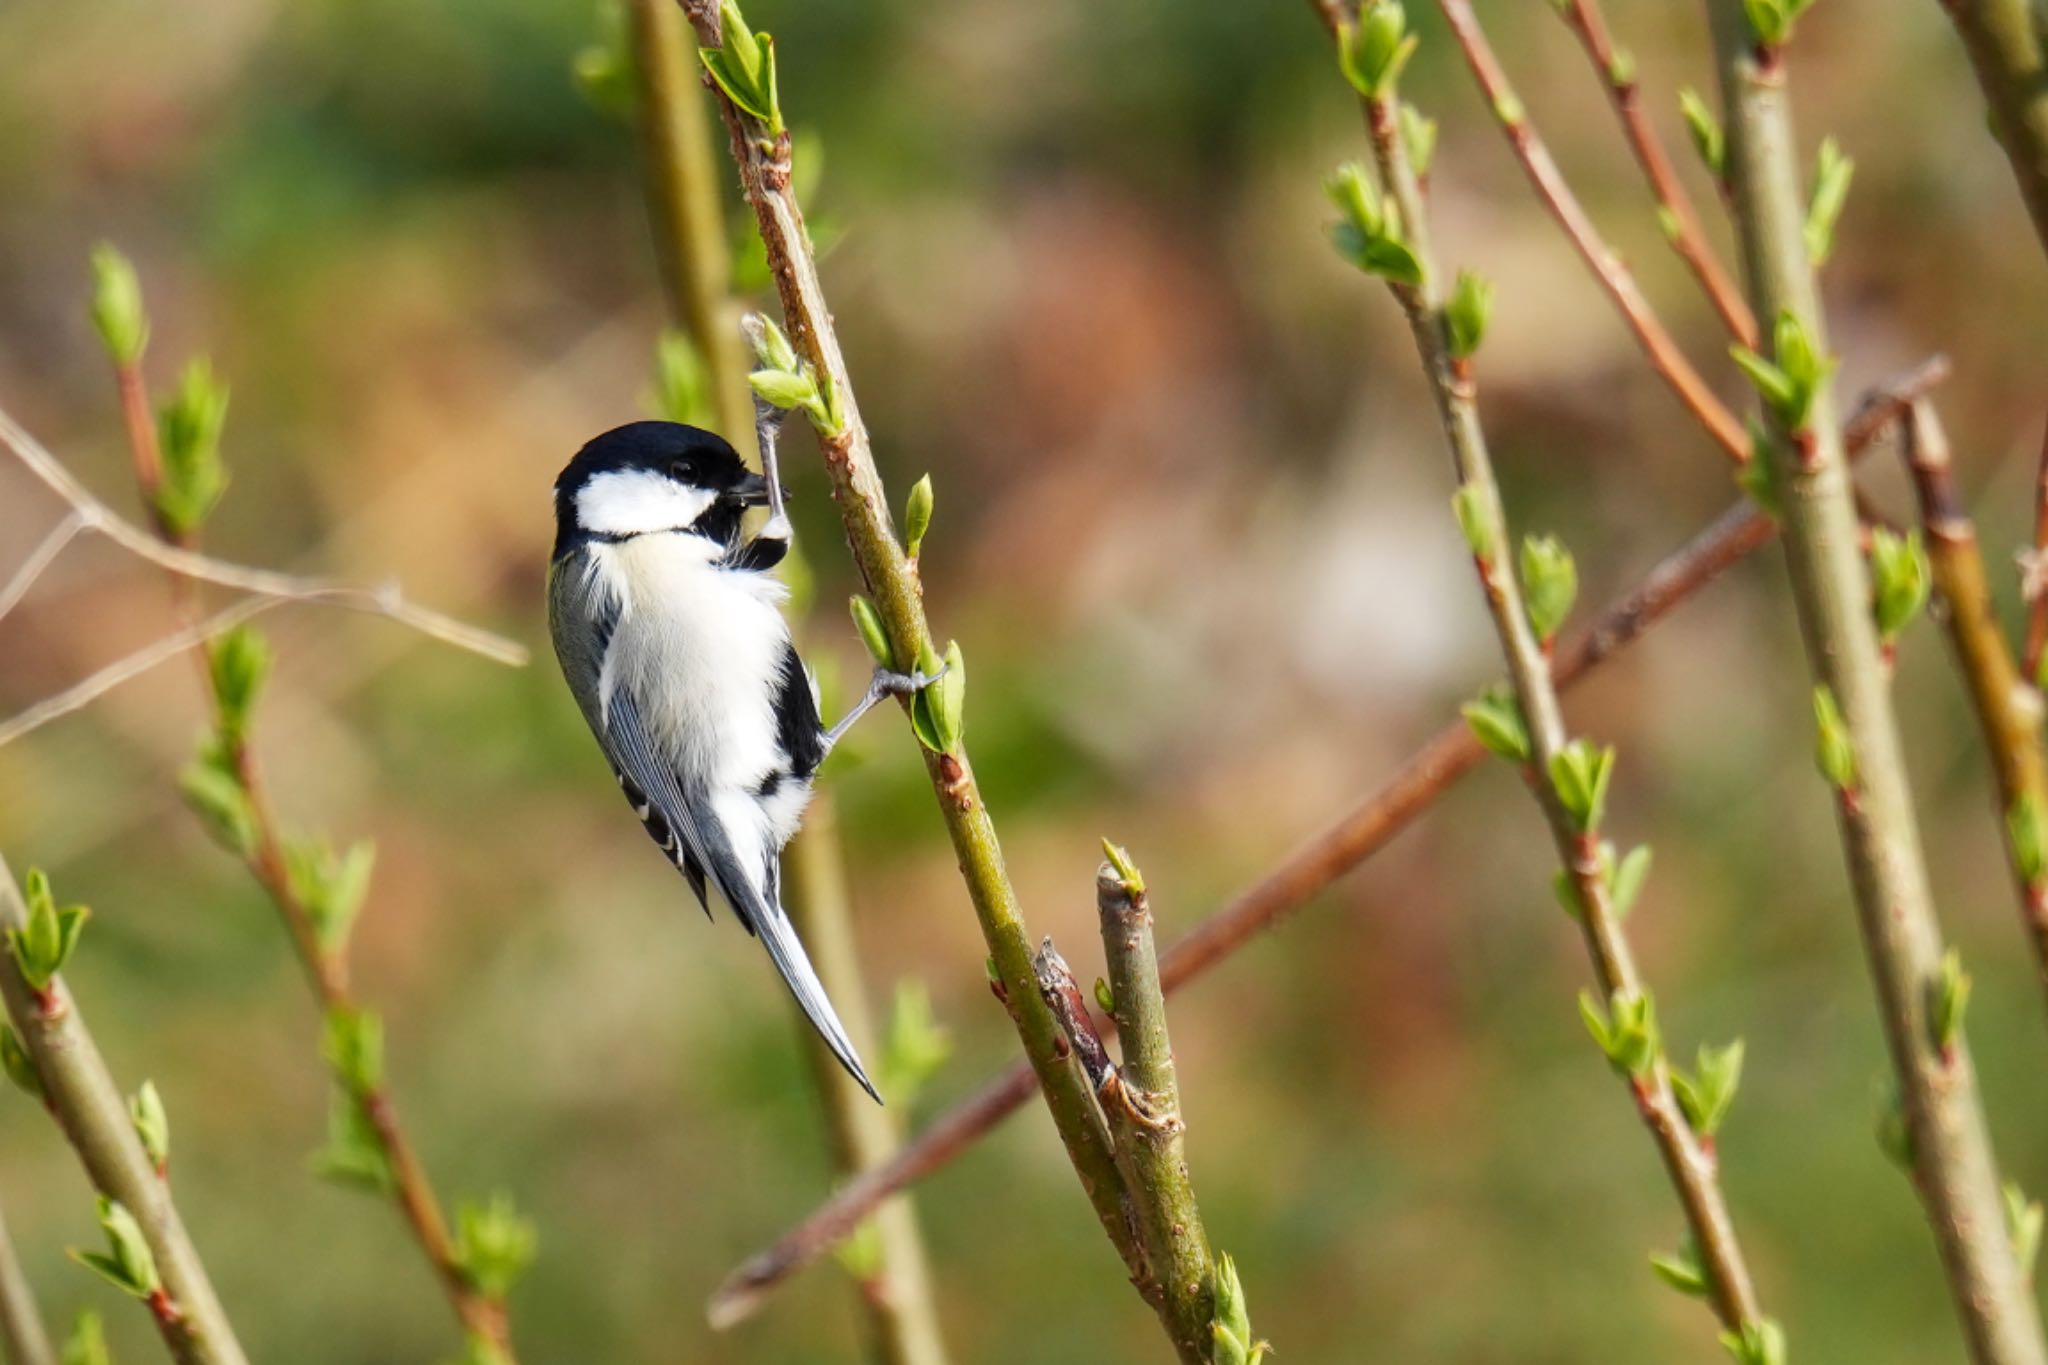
[[700, 650]]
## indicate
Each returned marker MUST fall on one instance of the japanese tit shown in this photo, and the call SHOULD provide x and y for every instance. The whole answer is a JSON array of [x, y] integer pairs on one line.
[[668, 625]]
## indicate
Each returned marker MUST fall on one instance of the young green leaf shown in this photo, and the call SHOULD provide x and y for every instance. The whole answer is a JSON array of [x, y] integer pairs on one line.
[[238, 663], [213, 789], [1418, 136], [682, 383], [947, 699], [494, 1244], [1708, 1093], [1707, 137], [1900, 578], [1772, 21], [188, 435], [1495, 717], [1231, 1329], [1579, 773], [1681, 1269], [1550, 583], [330, 887], [117, 311], [1126, 870], [45, 943], [354, 1155], [917, 516], [19, 1066], [916, 1045], [1834, 750], [1625, 1030], [1373, 51], [2027, 826], [1625, 884], [1478, 520], [2023, 1219], [867, 622], [1948, 1000], [127, 1263], [1760, 1342], [1467, 314], [354, 1048], [152, 1125], [604, 70], [87, 1344], [1831, 174], [785, 388]]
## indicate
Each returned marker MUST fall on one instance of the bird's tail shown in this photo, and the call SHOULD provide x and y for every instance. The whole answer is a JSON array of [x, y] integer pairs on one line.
[[786, 951]]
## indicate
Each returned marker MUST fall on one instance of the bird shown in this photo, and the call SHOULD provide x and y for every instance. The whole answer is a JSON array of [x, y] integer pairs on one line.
[[668, 623]]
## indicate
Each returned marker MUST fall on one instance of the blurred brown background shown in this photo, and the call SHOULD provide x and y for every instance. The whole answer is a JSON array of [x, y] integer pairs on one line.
[[1192, 530]]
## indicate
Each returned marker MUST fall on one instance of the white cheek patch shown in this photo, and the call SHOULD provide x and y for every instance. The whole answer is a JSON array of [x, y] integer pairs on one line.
[[633, 502]]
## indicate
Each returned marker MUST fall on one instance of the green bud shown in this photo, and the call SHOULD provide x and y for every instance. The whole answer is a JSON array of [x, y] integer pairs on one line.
[[1550, 583], [1791, 380], [1834, 751], [2023, 1219], [1625, 880], [1707, 138], [238, 663], [1625, 1030], [1231, 1329], [1900, 577], [87, 1344], [1753, 475], [1948, 999], [2028, 832], [682, 384], [785, 388], [1466, 315], [1478, 519], [1669, 225], [213, 789], [127, 1263], [354, 1155], [1894, 1133], [494, 1244], [1579, 773], [1831, 174], [1105, 998], [1369, 234], [868, 622], [1418, 137], [771, 345], [19, 1066], [354, 1048], [45, 943], [917, 515], [1621, 68], [947, 700], [1683, 1271], [916, 1045], [188, 434], [1762, 1341], [152, 1125], [1126, 870], [604, 70], [1709, 1092], [860, 1254], [330, 887], [1495, 718], [1373, 51], [117, 310], [1772, 22]]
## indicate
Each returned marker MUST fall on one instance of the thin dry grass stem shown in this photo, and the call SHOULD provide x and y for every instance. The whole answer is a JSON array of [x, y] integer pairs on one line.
[[1297, 879], [21, 1320], [1684, 231], [80, 1093], [1917, 984], [1664, 354], [387, 600]]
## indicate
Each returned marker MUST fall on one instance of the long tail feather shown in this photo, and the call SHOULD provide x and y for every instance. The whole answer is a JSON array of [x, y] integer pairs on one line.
[[778, 935]]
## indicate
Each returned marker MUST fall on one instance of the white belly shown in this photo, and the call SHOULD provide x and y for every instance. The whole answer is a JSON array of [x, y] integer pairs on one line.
[[700, 650]]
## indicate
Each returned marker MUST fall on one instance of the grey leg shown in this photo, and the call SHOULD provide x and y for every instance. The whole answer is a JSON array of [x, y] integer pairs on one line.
[[767, 428], [883, 684]]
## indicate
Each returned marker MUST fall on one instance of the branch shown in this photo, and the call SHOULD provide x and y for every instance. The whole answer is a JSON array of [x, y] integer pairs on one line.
[[81, 1094], [2008, 709], [1614, 277], [683, 173], [2009, 49], [1681, 220], [2034, 575], [1303, 874], [1143, 1105], [1953, 1164], [386, 600], [762, 157], [21, 1322]]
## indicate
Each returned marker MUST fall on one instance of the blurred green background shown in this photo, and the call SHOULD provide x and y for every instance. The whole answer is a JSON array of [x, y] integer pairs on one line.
[[1192, 531]]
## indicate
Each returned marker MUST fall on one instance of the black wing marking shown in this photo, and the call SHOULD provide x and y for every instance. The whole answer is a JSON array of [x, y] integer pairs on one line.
[[704, 841], [665, 838], [796, 716]]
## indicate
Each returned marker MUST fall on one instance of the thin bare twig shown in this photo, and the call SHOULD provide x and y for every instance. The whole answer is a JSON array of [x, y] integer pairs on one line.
[[386, 600], [1685, 233], [45, 553], [1952, 1160], [2008, 46], [2034, 574], [1664, 354], [2008, 709], [1303, 874], [81, 1094]]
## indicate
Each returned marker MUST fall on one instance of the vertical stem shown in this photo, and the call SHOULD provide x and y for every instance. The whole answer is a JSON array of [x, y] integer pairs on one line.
[[902, 1317], [88, 1106], [685, 207], [1953, 1164], [764, 168], [690, 237], [1144, 1108], [2006, 707], [21, 1321], [2036, 577], [2008, 45]]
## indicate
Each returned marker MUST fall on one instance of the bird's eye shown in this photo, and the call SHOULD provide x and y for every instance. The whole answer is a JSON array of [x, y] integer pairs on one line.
[[684, 471]]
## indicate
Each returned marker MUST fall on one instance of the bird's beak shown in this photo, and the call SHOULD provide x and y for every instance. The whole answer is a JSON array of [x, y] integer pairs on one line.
[[751, 491]]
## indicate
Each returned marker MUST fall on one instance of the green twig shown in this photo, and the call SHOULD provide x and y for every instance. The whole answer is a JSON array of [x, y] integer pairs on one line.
[[81, 1094], [21, 1321], [1952, 1163], [2008, 45]]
